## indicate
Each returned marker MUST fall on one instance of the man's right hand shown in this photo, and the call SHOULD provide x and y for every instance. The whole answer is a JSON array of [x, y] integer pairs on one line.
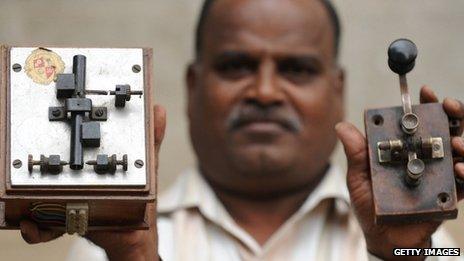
[[132, 245]]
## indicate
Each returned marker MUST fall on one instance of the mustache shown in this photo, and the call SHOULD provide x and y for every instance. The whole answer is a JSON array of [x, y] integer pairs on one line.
[[245, 114]]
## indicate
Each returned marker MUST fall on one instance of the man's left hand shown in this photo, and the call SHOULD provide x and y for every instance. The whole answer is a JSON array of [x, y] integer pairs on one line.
[[381, 239]]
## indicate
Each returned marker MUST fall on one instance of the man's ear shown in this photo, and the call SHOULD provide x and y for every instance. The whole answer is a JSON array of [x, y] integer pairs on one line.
[[191, 78]]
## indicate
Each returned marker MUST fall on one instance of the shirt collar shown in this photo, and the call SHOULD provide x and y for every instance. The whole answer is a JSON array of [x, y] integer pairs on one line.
[[191, 190]]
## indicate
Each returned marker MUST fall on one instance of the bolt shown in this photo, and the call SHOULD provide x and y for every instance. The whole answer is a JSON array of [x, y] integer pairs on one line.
[[56, 112], [136, 68], [436, 147], [123, 162], [138, 164], [91, 162], [136, 93], [31, 162], [96, 92], [415, 168], [17, 164], [410, 123], [99, 112], [17, 67], [63, 163], [384, 145]]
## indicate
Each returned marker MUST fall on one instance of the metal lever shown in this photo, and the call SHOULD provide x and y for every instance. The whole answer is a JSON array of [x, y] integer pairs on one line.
[[402, 55]]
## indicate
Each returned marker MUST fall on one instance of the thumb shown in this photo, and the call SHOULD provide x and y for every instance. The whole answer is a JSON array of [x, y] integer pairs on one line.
[[160, 128], [160, 125], [358, 180], [32, 234], [355, 146]]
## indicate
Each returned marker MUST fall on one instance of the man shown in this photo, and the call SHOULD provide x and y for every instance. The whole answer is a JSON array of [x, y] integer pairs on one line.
[[265, 94]]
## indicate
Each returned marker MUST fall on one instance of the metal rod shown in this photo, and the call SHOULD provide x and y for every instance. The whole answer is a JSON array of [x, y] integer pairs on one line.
[[96, 92], [77, 155], [405, 97], [79, 67], [131, 93], [76, 161]]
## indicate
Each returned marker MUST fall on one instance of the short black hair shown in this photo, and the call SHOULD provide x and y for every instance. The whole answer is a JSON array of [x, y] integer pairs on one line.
[[206, 8]]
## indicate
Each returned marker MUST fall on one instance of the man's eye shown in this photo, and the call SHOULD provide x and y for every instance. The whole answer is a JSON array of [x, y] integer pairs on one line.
[[297, 72], [235, 69]]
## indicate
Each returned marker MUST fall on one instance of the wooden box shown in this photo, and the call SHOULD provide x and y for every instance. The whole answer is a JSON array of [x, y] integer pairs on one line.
[[75, 200]]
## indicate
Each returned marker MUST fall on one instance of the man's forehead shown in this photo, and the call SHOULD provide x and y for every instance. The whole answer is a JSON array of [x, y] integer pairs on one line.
[[296, 25]]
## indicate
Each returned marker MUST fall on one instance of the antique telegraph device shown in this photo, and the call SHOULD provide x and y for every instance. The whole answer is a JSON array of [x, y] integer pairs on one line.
[[410, 153], [76, 138]]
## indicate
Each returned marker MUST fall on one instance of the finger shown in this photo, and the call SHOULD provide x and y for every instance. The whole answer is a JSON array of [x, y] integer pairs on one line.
[[358, 180], [151, 214], [457, 143], [427, 95], [160, 125], [459, 173], [458, 147], [459, 170], [454, 108], [354, 144], [33, 235]]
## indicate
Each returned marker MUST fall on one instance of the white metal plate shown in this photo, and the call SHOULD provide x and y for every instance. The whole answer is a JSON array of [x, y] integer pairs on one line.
[[123, 132]]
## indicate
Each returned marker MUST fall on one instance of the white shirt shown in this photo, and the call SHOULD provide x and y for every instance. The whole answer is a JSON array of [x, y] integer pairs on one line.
[[194, 225]]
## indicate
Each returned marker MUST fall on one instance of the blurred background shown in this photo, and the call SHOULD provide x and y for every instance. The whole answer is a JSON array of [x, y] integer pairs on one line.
[[168, 25]]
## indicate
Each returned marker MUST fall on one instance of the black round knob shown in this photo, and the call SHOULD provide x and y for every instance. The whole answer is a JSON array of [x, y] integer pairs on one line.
[[402, 55]]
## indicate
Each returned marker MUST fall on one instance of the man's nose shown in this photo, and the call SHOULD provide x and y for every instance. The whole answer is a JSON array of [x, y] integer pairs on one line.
[[265, 89]]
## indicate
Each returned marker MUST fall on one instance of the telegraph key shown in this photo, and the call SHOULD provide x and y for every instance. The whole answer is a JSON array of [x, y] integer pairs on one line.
[[76, 143], [410, 153]]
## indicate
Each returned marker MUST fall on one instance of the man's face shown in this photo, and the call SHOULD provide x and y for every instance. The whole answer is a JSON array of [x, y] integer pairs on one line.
[[265, 94]]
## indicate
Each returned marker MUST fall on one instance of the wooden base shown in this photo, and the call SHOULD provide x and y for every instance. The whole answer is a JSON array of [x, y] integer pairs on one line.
[[104, 215], [394, 200]]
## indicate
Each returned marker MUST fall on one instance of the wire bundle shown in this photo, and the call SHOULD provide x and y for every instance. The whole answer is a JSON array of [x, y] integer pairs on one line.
[[48, 213]]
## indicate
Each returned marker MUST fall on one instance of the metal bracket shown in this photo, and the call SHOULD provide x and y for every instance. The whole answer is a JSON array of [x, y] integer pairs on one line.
[[394, 150], [390, 150], [104, 164], [77, 218], [436, 148]]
